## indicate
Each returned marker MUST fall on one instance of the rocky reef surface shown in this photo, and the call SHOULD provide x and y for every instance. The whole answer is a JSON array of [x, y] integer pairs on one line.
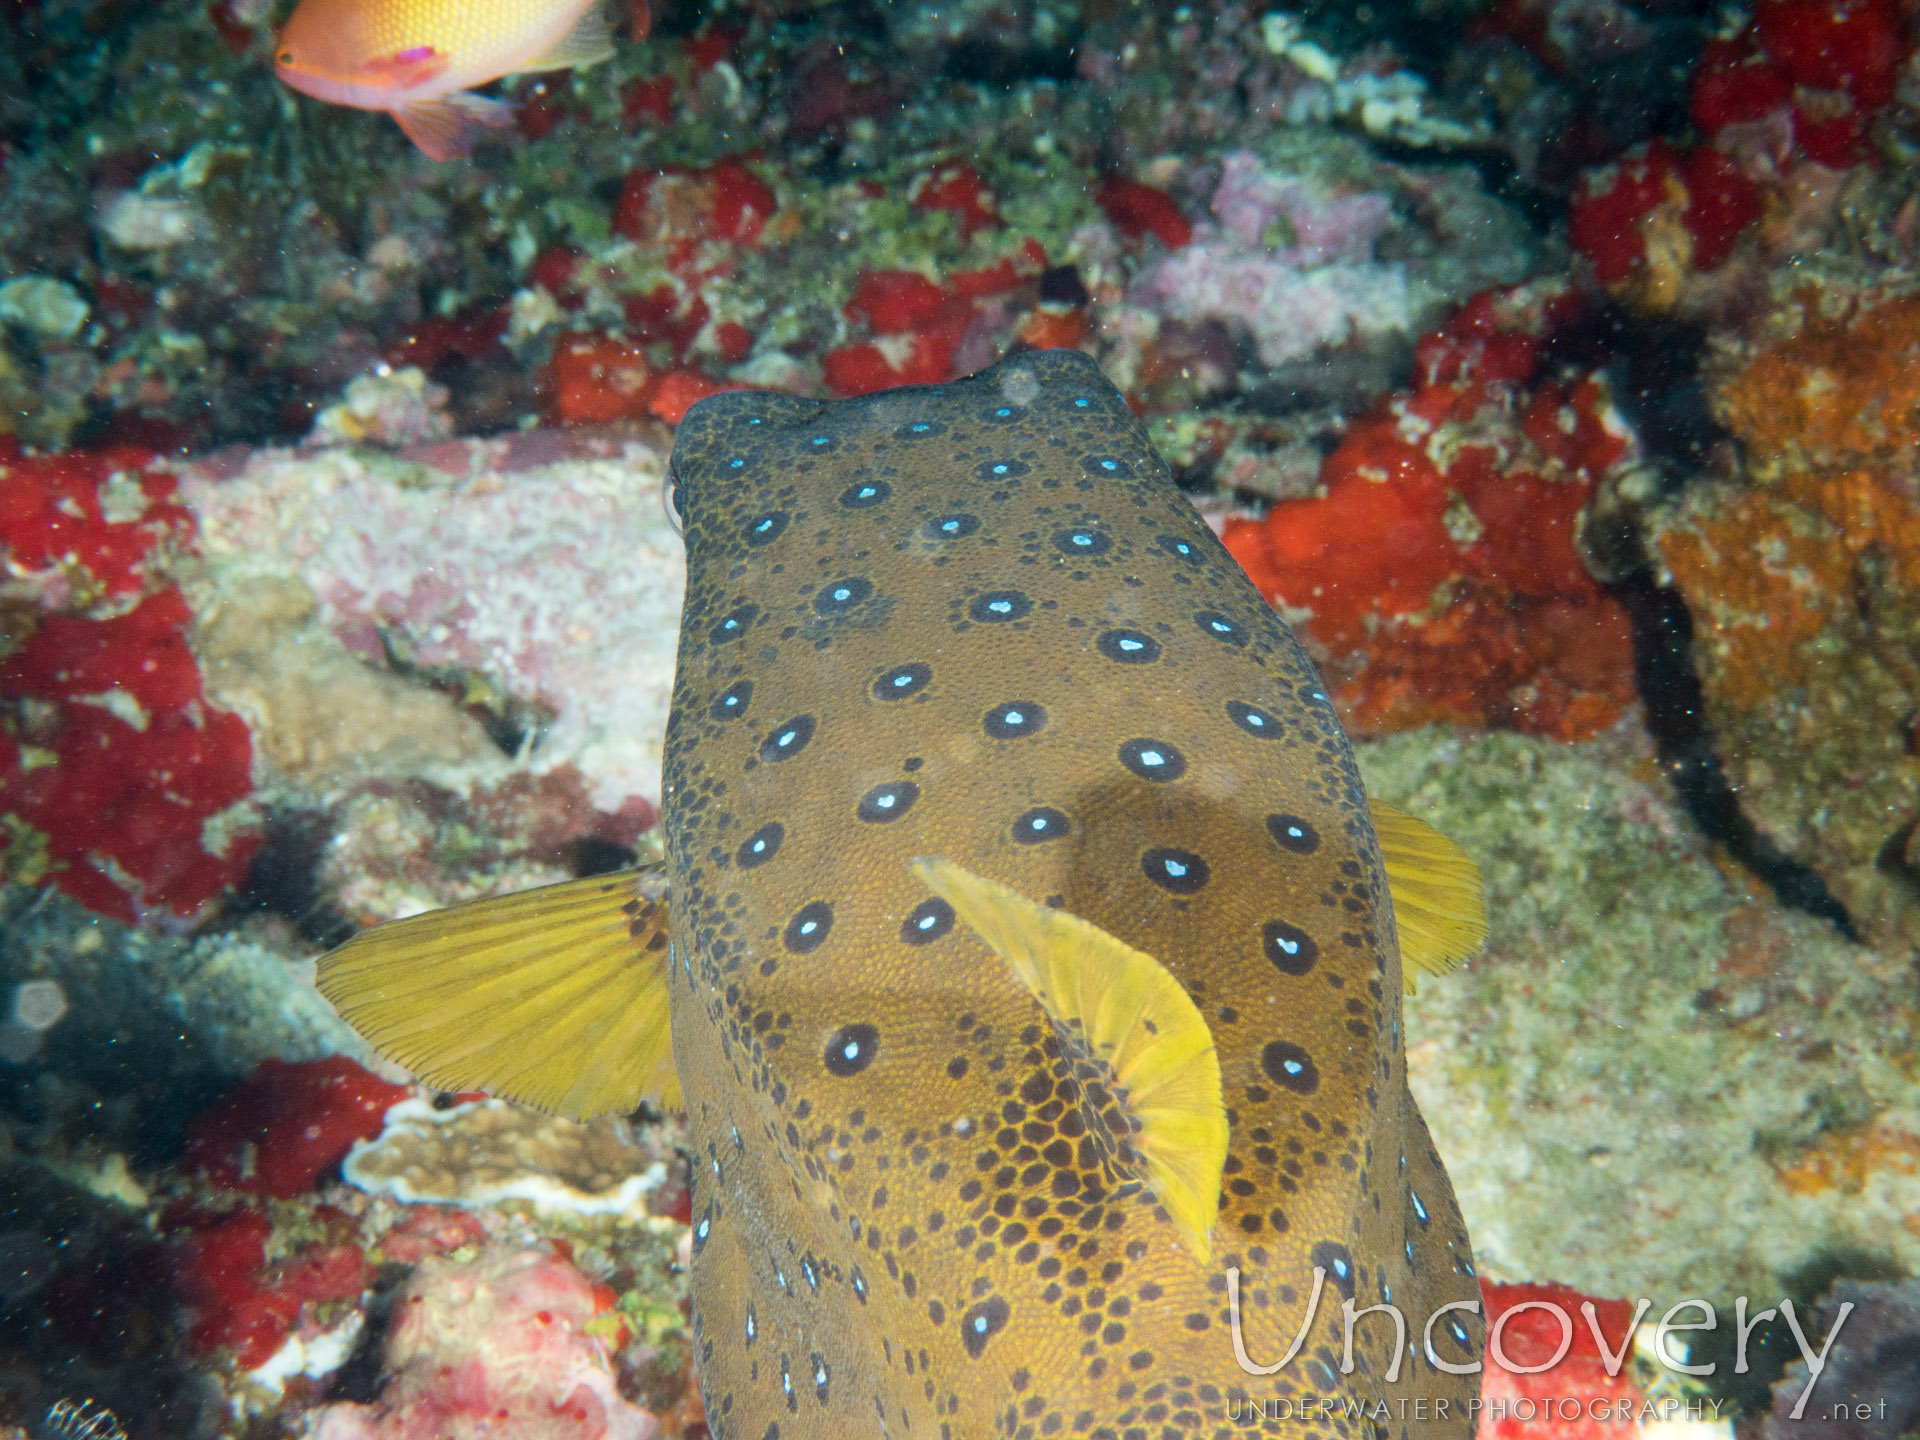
[[1549, 364]]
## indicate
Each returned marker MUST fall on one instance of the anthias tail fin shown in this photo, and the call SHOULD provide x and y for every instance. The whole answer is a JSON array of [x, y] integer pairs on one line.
[[1127, 1009], [1437, 901], [555, 997], [587, 43]]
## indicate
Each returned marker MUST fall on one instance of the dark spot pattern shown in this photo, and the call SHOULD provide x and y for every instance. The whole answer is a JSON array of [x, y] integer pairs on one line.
[[734, 624], [1290, 948], [1337, 1261], [809, 927], [1002, 470], [1181, 872], [765, 529], [1015, 720], [732, 702], [1128, 647], [865, 493], [888, 802], [1084, 540], [843, 595], [1223, 628], [1290, 1067], [761, 846], [1254, 720], [981, 1323], [851, 1049], [1293, 833], [1153, 760], [1042, 822], [903, 681], [787, 740], [927, 922], [950, 527], [998, 607]]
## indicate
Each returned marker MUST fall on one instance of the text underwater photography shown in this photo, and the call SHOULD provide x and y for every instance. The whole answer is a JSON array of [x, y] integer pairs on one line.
[[1546, 1407]]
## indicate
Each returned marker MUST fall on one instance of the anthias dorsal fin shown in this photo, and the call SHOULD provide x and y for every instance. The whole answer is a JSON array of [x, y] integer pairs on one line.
[[1438, 906], [1134, 1016], [555, 998]]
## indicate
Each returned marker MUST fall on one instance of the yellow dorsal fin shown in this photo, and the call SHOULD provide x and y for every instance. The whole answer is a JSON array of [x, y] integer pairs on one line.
[[555, 997], [1135, 1016], [587, 43], [1437, 902]]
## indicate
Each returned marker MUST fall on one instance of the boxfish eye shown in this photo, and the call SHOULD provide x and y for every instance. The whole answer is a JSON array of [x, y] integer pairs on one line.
[[672, 497]]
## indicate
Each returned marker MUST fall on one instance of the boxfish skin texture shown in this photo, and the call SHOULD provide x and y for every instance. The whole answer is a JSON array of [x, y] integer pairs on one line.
[[979, 621]]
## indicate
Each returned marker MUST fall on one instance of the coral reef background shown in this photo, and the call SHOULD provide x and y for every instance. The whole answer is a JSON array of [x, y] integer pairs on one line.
[[1549, 364]]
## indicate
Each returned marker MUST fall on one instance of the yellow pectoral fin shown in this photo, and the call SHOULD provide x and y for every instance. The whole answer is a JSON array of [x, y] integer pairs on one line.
[[555, 997], [1438, 906], [587, 43], [1124, 1006]]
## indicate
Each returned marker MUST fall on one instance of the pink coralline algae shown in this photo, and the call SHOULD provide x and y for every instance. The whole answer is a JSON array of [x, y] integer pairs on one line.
[[1316, 288], [289, 1122], [112, 763], [510, 1345], [542, 562]]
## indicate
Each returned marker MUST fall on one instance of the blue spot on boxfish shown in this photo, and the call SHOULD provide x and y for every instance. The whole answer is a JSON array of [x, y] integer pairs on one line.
[[1043, 822], [1128, 647], [1181, 872], [732, 701], [1001, 470], [1212, 622], [1290, 1067], [1153, 760], [850, 1049], [843, 595], [760, 847], [1014, 720], [765, 529], [996, 607], [927, 922], [1081, 542], [789, 740], [1290, 832], [1290, 948], [867, 492], [1254, 720], [950, 527], [888, 802], [734, 624], [902, 681]]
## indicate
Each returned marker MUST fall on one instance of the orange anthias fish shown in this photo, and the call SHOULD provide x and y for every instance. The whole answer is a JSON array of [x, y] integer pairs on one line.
[[419, 59]]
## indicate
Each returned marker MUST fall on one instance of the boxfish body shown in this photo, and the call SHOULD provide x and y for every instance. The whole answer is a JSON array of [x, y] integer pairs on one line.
[[1023, 954], [979, 621]]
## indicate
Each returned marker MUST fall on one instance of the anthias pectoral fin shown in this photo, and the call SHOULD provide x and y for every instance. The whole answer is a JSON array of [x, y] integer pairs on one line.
[[1438, 904], [1127, 1008], [555, 997]]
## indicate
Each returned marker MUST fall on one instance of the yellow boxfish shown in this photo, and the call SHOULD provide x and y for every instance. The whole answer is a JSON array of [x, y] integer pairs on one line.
[[417, 59], [1025, 941]]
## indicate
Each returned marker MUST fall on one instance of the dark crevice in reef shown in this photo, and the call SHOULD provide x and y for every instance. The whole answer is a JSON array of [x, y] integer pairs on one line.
[[1675, 708], [284, 878]]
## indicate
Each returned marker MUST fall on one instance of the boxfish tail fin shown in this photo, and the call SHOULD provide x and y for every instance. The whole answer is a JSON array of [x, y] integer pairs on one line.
[[1438, 905], [1126, 1008], [444, 128], [555, 998]]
